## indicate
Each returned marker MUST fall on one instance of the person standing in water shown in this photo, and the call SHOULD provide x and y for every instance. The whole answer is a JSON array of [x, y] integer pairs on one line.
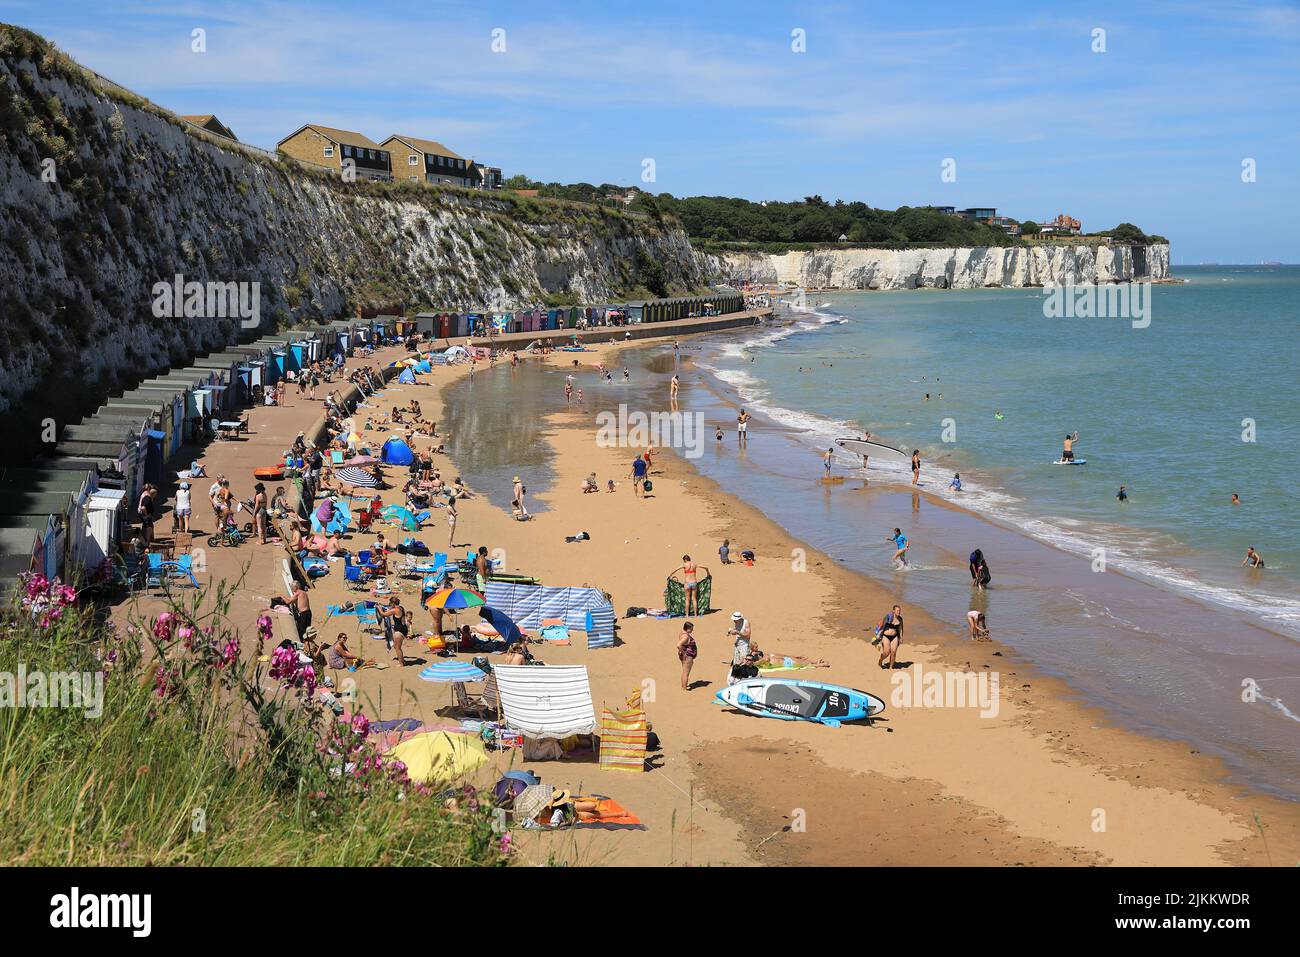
[[672, 392], [916, 466], [827, 460], [1122, 494], [978, 624], [1067, 450], [900, 543], [742, 428]]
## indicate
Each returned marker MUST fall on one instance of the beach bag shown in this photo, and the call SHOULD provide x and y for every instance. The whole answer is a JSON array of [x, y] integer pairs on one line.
[[634, 611], [744, 671]]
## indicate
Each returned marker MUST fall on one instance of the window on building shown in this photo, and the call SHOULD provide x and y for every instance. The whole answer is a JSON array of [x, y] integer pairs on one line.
[[347, 151], [412, 159], [329, 149]]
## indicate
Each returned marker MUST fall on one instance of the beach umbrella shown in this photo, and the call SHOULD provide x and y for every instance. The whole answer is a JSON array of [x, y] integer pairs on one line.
[[356, 476], [439, 757], [454, 598], [505, 625], [457, 671], [359, 460], [403, 516]]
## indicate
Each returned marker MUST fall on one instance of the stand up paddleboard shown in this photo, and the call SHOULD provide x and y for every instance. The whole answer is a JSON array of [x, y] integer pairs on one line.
[[1071, 462], [867, 447], [791, 700]]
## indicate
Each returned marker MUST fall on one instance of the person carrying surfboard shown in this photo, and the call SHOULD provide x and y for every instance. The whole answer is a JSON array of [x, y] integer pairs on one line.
[[1067, 450]]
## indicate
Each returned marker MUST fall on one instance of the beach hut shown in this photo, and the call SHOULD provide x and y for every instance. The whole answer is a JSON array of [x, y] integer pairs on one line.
[[17, 547], [174, 397], [30, 494]]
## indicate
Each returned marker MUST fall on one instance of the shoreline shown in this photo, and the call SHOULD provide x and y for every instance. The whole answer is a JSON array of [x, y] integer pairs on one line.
[[944, 804], [1053, 704]]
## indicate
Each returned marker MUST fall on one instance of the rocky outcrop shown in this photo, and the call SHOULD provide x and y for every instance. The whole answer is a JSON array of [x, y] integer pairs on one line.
[[103, 195], [975, 268]]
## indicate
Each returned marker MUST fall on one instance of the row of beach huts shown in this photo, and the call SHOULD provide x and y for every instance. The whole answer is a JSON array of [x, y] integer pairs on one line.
[[64, 515]]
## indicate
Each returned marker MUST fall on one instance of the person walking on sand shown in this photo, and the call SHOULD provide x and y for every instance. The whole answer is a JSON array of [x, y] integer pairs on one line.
[[979, 625], [1252, 558], [916, 466], [687, 652], [452, 516], [891, 636], [259, 511], [395, 627], [901, 546], [518, 502], [742, 428], [639, 471], [183, 506]]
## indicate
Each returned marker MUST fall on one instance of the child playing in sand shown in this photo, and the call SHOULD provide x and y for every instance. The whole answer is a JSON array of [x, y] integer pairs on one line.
[[979, 625]]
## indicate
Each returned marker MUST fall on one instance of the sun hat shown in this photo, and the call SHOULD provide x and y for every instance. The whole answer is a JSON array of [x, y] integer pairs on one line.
[[185, 485], [560, 796], [737, 616]]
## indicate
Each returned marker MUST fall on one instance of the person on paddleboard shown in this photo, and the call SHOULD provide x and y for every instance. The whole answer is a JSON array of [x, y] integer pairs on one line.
[[1067, 450]]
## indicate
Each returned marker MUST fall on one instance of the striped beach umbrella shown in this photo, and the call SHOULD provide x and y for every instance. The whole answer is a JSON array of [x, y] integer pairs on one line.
[[356, 476], [453, 598], [460, 671]]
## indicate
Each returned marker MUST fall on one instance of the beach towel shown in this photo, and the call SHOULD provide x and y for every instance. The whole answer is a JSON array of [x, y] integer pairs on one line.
[[623, 737], [612, 815], [557, 633], [788, 665]]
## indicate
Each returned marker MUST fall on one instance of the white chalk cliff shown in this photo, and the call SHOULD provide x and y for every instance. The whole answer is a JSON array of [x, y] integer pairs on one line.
[[961, 268]]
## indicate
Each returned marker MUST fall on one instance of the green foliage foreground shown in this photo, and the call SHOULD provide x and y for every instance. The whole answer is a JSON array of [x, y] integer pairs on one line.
[[200, 755]]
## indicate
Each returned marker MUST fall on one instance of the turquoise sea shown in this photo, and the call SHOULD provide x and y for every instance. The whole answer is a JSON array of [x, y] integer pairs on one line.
[[1171, 637]]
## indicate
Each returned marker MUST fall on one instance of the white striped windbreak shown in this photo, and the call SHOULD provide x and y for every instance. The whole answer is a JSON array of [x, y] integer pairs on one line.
[[546, 701]]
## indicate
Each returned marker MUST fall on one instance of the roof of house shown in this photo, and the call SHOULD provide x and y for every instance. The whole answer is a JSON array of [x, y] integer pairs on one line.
[[204, 119], [425, 146], [342, 137]]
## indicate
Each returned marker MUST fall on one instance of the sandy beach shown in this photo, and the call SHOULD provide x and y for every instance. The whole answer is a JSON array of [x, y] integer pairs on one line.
[[1045, 780]]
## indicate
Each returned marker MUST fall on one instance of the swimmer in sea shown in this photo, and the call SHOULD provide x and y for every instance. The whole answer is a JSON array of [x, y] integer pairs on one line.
[[1252, 558], [955, 484], [998, 415], [1122, 494], [1236, 499]]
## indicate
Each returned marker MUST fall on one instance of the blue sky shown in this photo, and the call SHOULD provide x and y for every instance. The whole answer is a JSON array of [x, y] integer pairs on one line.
[[1153, 131]]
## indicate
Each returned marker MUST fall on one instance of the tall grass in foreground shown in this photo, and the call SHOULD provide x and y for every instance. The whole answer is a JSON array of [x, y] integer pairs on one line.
[[201, 755]]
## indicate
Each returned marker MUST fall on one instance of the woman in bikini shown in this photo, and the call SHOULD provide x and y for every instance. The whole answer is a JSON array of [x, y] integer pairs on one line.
[[891, 636], [687, 651], [690, 578]]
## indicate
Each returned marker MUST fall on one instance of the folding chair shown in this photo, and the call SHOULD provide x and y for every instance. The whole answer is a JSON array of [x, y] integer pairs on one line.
[[155, 573], [353, 575], [183, 568], [364, 519]]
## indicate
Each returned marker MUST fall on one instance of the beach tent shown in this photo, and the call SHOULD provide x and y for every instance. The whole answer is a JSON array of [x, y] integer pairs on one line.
[[407, 377], [397, 452], [529, 605], [550, 702], [456, 352], [339, 523]]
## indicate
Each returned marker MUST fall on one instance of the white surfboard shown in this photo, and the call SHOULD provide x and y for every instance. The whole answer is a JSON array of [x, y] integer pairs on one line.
[[876, 449]]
